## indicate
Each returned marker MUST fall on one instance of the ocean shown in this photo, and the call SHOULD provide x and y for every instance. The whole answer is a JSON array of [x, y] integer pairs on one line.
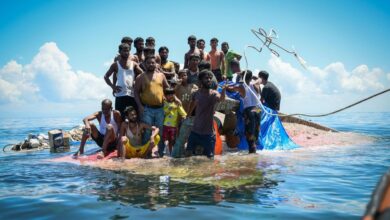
[[324, 182]]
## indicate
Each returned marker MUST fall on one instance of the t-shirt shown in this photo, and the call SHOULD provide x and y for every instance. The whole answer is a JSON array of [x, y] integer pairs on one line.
[[271, 95], [171, 113], [185, 93], [204, 112], [229, 56], [192, 77], [168, 67]]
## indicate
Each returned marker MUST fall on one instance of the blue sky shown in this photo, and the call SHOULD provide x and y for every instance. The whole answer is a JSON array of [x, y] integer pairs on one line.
[[53, 54]]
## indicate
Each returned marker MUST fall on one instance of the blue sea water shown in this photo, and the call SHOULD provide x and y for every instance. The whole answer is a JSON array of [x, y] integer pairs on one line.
[[316, 183]]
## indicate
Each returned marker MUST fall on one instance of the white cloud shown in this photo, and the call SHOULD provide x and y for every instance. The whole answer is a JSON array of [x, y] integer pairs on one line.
[[325, 89], [49, 76]]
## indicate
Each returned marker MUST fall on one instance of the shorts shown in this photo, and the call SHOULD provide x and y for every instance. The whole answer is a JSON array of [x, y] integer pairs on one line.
[[139, 151], [122, 102], [252, 122], [204, 141], [100, 139], [169, 133]]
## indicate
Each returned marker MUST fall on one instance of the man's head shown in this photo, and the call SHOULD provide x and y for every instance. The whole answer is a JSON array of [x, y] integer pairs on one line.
[[169, 94], [106, 107], [131, 114], [248, 76], [150, 63], [163, 52], [139, 43], [127, 40], [225, 47], [200, 44], [183, 76], [204, 65], [263, 75], [205, 77], [150, 42], [124, 50], [235, 66], [214, 43], [192, 41], [194, 60], [149, 51]]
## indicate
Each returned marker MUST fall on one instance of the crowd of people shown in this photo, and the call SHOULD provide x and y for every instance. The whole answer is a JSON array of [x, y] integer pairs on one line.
[[159, 104]]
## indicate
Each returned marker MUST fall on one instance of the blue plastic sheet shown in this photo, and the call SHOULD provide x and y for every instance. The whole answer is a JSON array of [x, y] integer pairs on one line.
[[272, 134]]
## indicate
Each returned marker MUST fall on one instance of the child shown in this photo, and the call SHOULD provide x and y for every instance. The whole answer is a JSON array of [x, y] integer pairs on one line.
[[171, 113]]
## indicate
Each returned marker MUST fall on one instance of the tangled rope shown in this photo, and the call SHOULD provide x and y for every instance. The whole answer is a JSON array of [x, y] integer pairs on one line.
[[267, 42]]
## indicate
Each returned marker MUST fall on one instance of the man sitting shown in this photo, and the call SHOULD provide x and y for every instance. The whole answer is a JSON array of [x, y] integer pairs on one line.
[[270, 94], [105, 137], [130, 145]]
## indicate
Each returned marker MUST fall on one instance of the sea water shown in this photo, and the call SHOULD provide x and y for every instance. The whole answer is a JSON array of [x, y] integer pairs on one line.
[[324, 182]]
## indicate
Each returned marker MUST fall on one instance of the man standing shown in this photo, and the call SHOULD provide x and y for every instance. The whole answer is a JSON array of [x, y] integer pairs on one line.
[[270, 94], [125, 71], [193, 50], [204, 101], [139, 46], [149, 94], [216, 58], [201, 45], [105, 137], [167, 66], [192, 74], [229, 56]]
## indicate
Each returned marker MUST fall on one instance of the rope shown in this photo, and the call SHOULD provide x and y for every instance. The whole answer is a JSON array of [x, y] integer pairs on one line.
[[267, 42], [7, 145]]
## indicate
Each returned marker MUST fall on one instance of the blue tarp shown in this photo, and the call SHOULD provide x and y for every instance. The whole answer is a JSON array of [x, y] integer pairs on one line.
[[272, 134]]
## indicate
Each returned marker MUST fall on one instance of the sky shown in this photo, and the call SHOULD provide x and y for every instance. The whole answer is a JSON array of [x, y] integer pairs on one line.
[[53, 54]]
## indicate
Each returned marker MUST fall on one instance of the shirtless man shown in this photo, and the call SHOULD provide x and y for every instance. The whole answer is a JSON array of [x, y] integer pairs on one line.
[[139, 46], [216, 58], [193, 50], [124, 72], [151, 43], [201, 44], [149, 95], [130, 144], [105, 137]]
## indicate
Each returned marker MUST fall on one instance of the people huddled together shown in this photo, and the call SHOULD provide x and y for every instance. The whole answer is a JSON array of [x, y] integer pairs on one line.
[[157, 104]]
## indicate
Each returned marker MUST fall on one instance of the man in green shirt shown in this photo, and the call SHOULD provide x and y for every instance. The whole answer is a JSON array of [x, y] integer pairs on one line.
[[229, 56]]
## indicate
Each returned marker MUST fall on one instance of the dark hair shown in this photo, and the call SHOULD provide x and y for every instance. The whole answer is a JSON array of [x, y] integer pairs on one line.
[[224, 43], [138, 39], [200, 40], [127, 39], [234, 62], [129, 109], [205, 73], [169, 91], [182, 72], [214, 39], [163, 48], [149, 57], [263, 74], [150, 39], [248, 75], [123, 46], [204, 65], [191, 37], [149, 50], [194, 55], [107, 101]]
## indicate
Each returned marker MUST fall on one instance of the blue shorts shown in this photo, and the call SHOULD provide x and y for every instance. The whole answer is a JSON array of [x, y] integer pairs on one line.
[[201, 144]]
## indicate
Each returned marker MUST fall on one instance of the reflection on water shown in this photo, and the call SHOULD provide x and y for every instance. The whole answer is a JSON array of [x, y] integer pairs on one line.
[[330, 182]]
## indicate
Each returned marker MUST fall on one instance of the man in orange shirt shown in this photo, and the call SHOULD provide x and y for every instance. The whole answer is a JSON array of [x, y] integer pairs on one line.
[[216, 58]]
